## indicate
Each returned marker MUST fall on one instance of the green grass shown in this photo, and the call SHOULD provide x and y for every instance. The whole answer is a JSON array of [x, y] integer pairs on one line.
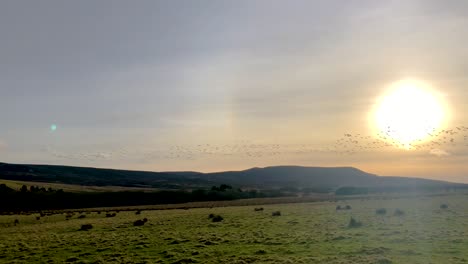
[[304, 233], [73, 188]]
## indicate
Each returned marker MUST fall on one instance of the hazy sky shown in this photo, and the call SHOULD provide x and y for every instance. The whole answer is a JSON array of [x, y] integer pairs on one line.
[[221, 85]]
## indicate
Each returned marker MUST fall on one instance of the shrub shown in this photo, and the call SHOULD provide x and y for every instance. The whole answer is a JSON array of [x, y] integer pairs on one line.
[[443, 206], [138, 212], [111, 215], [258, 209], [86, 227], [217, 218], [399, 212], [38, 218], [381, 211], [338, 207], [347, 207], [276, 213], [81, 216], [353, 223], [211, 216], [16, 221]]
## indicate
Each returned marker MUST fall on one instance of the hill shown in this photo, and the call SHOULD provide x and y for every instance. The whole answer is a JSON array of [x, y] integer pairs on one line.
[[261, 178]]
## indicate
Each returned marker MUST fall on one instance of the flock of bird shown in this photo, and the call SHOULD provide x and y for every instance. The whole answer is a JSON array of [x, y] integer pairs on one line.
[[444, 138], [347, 144]]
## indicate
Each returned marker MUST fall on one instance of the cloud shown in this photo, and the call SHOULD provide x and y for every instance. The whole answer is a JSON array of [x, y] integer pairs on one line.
[[439, 152]]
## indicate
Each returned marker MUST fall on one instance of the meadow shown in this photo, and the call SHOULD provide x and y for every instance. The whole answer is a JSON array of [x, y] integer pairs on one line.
[[411, 229], [73, 187]]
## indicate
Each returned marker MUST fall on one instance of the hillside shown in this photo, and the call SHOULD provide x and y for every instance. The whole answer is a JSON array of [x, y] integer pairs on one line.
[[96, 177], [261, 178]]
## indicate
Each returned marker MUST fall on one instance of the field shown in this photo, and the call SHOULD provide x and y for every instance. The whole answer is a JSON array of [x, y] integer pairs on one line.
[[73, 187], [304, 233]]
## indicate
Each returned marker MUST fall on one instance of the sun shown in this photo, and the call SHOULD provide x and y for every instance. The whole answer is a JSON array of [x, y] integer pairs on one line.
[[410, 113]]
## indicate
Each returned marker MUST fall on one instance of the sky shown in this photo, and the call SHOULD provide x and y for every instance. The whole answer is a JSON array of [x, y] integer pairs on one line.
[[226, 85]]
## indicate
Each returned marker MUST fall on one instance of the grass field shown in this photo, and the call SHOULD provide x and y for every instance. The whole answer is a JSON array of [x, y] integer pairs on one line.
[[74, 188], [304, 233]]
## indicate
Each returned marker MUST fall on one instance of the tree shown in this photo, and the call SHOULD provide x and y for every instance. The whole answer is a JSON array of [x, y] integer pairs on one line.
[[24, 188], [5, 189], [224, 187]]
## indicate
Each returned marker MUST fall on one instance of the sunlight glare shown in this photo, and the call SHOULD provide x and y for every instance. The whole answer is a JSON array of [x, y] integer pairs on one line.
[[410, 113]]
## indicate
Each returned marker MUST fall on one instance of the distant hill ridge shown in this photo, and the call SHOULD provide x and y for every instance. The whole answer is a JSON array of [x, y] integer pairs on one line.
[[262, 178]]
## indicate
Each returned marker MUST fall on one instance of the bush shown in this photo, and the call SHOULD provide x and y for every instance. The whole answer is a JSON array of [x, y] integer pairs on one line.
[[276, 213], [217, 218], [338, 207], [86, 227], [381, 211], [81, 216], [111, 215], [258, 209], [211, 216], [443, 206], [353, 223], [138, 212], [348, 207], [398, 212]]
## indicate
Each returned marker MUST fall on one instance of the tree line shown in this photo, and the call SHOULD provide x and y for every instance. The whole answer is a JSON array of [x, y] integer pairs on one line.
[[36, 198]]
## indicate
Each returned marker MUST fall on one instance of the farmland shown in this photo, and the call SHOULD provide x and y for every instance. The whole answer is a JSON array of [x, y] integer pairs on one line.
[[313, 232], [73, 187]]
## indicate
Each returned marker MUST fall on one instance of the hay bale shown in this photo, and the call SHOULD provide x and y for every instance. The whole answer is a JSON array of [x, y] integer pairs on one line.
[[140, 222], [276, 213], [217, 218], [86, 227], [381, 211], [353, 223], [398, 212]]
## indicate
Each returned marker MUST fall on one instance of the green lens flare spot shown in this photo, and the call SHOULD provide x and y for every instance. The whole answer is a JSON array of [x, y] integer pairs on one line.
[[53, 127]]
